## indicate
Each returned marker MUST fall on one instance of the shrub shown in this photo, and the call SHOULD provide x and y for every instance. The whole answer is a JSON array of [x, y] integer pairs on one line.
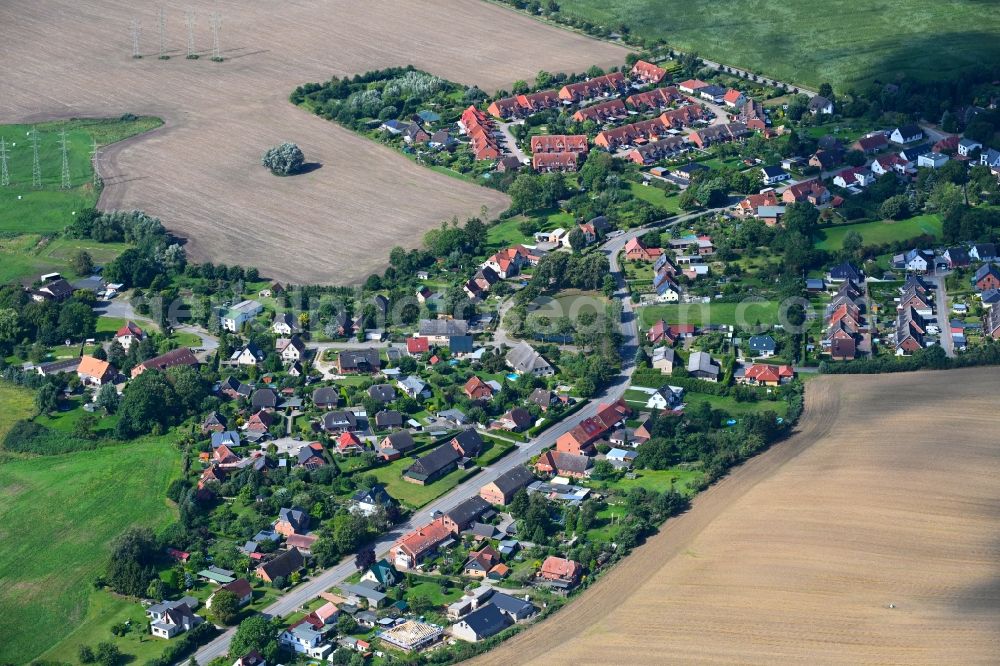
[[283, 160]]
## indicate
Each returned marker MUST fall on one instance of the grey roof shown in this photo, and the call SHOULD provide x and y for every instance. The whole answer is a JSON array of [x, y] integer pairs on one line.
[[353, 359], [818, 102], [464, 513], [443, 327], [287, 319], [402, 441], [382, 393], [762, 343], [460, 344], [339, 420], [264, 397], [375, 495], [512, 605], [773, 171], [326, 395], [514, 479], [524, 359], [285, 564], [295, 516], [388, 418], [413, 384], [486, 621], [363, 590], [435, 461], [229, 438], [663, 354], [541, 397], [470, 441], [702, 362]]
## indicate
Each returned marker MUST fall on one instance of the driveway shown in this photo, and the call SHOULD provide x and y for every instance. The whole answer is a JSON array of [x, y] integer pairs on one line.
[[512, 146]]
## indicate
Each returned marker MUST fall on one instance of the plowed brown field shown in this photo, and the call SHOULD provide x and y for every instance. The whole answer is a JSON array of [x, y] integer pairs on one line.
[[200, 173], [888, 495]]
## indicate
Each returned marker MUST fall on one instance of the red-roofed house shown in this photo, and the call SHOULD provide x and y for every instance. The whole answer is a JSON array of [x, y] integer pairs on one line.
[[734, 99], [659, 98], [761, 374], [635, 250], [647, 72], [602, 112], [128, 334], [749, 206], [692, 85], [477, 389], [808, 190], [349, 443], [871, 144], [559, 143], [417, 345], [561, 571], [660, 332], [595, 87], [550, 162], [411, 549]]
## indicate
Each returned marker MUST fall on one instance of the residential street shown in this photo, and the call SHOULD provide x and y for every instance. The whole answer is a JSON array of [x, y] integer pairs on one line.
[[943, 313]]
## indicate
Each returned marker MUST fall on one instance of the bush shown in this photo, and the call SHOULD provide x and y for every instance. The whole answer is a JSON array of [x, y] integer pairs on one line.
[[31, 437], [283, 160]]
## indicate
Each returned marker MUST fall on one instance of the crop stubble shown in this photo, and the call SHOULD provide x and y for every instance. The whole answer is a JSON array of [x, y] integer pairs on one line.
[[887, 495], [200, 173]]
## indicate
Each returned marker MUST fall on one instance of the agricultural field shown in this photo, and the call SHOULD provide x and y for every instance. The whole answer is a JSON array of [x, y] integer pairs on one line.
[[59, 515], [828, 536], [881, 231], [837, 42], [200, 173]]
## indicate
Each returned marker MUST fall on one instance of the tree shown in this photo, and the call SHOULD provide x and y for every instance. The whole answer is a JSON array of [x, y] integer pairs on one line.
[[526, 193], [76, 320], [86, 655], [577, 240], [107, 398], [283, 160], [149, 404], [107, 654], [364, 559], [130, 569], [895, 208], [47, 399], [225, 607], [853, 242], [826, 90], [81, 262], [255, 633], [346, 624]]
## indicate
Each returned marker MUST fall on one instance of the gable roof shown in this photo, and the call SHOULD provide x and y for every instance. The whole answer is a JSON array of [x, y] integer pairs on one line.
[[463, 513], [486, 621], [284, 565], [435, 461], [513, 480]]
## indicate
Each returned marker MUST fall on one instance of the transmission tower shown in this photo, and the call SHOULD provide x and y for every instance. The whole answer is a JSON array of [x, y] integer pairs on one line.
[[163, 34], [36, 167], [189, 19], [64, 144], [93, 159], [4, 173], [216, 21], [136, 32]]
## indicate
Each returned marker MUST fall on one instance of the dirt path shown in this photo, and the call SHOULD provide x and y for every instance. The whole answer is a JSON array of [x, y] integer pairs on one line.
[[600, 601]]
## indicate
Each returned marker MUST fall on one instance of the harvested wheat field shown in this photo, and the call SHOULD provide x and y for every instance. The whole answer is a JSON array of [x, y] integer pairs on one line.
[[889, 494], [200, 173]]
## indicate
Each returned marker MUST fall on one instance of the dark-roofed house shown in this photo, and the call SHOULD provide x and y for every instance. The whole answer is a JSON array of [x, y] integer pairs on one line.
[[400, 441], [504, 487], [369, 501], [515, 608], [173, 358], [326, 397], [561, 463], [292, 521], [431, 467], [462, 515], [845, 271], [480, 624], [762, 346], [340, 421], [388, 418], [467, 443], [906, 134], [214, 422], [988, 277], [354, 361], [284, 566], [820, 105], [264, 398], [957, 257], [53, 290], [382, 393], [544, 398]]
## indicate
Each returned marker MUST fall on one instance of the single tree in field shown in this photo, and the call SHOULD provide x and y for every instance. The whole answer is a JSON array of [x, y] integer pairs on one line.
[[365, 558], [81, 262], [225, 607], [283, 160]]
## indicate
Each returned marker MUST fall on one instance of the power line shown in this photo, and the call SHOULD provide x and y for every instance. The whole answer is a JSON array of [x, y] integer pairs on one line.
[[4, 173], [189, 19], [66, 181], [136, 32], [163, 34], [216, 22], [36, 167], [93, 159]]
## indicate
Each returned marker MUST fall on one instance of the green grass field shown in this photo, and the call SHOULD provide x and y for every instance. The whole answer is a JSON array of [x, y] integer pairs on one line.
[[733, 314], [59, 515], [878, 232], [18, 403], [410, 493], [656, 196], [814, 41]]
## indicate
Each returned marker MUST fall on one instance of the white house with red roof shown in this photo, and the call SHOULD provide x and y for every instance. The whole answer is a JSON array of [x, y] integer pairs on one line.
[[128, 334]]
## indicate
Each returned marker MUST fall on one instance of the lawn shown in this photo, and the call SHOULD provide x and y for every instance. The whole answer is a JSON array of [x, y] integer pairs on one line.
[[65, 510], [656, 196], [819, 41], [879, 232], [743, 314], [681, 478], [410, 493], [18, 403], [734, 408], [24, 208]]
